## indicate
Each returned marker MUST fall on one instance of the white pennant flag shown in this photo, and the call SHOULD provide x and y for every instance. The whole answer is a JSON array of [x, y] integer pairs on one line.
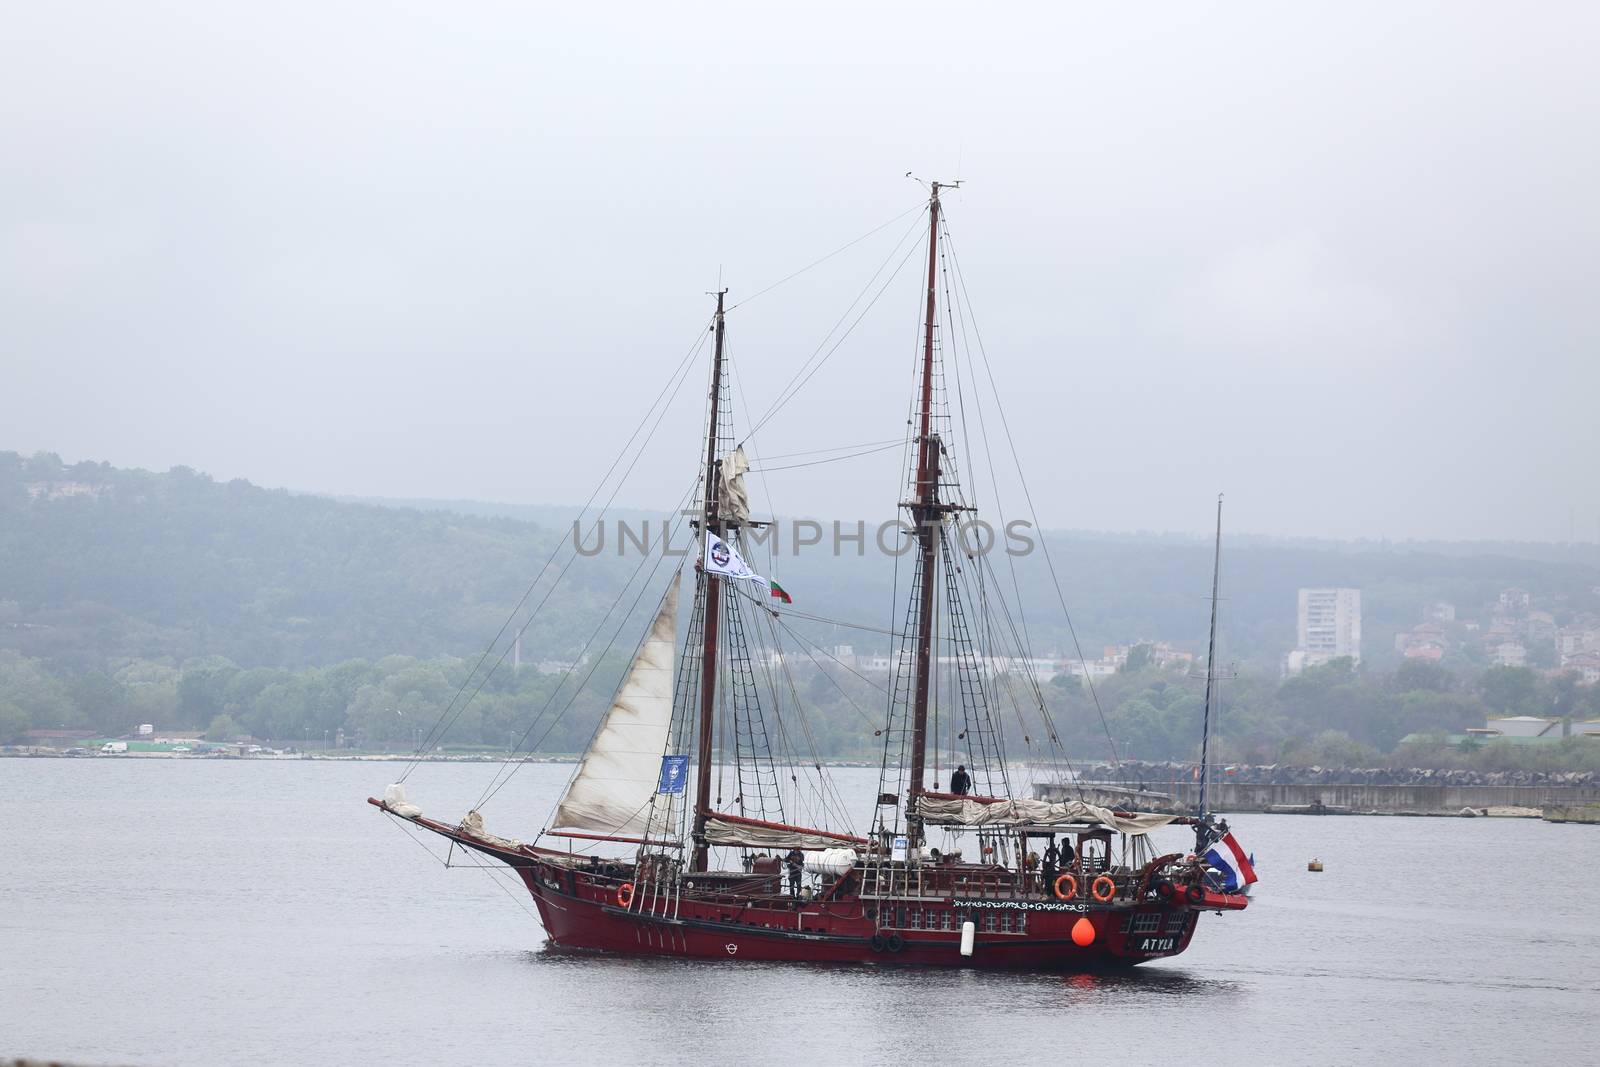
[[721, 559]]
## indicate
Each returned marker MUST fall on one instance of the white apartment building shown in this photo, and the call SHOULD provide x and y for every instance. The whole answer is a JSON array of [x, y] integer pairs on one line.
[[1329, 627]]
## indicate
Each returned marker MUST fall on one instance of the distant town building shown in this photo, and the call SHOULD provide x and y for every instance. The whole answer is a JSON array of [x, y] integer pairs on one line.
[[1329, 626], [1524, 726], [1509, 654], [1441, 611], [1426, 642], [60, 490], [1514, 601], [1578, 644], [1585, 664]]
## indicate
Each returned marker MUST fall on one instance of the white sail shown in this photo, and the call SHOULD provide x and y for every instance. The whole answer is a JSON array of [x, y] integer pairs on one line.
[[733, 501], [614, 790]]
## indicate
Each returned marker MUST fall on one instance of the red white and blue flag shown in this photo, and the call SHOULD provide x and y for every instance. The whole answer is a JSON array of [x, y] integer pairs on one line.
[[1229, 859]]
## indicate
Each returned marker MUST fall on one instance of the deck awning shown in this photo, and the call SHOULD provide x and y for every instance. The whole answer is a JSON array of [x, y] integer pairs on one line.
[[944, 810]]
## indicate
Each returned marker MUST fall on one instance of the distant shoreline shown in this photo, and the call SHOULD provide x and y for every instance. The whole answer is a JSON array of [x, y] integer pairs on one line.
[[351, 757]]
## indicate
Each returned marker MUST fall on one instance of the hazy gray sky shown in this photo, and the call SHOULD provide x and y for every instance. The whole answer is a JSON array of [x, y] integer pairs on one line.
[[1338, 260]]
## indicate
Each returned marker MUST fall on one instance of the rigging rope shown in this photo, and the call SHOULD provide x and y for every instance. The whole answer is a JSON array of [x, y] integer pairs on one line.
[[436, 733], [1032, 510], [824, 259], [496, 784], [830, 459], [804, 375]]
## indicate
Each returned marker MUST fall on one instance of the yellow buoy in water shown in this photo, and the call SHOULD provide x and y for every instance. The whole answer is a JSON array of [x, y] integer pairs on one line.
[[1314, 865]]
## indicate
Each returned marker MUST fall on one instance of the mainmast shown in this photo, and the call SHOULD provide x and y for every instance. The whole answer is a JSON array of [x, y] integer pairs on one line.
[[1201, 812], [713, 605], [926, 514]]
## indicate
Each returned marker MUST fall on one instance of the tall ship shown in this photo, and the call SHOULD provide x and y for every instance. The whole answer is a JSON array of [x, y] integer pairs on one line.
[[692, 828]]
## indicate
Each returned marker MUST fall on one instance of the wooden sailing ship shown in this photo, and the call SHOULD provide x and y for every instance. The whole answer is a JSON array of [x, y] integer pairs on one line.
[[695, 879]]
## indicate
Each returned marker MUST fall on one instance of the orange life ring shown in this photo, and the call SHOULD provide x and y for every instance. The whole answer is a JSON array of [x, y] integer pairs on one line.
[[1104, 881], [625, 895], [1071, 890]]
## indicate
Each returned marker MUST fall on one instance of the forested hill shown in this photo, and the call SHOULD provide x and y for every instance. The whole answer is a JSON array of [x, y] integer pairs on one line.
[[100, 565]]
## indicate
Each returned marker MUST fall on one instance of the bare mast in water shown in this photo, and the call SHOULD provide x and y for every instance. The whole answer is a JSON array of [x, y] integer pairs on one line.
[[1202, 812]]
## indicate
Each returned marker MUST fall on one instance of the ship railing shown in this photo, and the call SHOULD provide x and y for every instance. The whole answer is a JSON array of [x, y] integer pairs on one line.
[[882, 881], [989, 885]]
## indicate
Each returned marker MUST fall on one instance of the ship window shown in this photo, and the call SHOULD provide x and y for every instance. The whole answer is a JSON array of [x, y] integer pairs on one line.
[[1022, 922], [1175, 922], [945, 920], [1127, 922], [916, 920], [1147, 922], [1005, 922], [988, 922]]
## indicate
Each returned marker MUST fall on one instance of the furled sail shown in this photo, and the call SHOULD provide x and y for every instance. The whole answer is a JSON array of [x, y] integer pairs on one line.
[[614, 791], [757, 833], [733, 501], [1018, 811]]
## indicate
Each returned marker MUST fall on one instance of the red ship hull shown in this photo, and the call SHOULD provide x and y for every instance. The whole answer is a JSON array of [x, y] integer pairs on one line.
[[594, 905], [802, 934]]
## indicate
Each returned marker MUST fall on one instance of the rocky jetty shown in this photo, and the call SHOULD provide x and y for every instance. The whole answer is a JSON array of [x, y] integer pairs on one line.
[[1155, 775]]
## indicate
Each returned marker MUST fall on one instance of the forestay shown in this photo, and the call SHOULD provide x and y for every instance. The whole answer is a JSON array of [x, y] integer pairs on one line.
[[1019, 811], [614, 790]]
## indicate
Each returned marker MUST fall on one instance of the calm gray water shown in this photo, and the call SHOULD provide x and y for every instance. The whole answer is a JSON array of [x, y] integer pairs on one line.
[[196, 912]]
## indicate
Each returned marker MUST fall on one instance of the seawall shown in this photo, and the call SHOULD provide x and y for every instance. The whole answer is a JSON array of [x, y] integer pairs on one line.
[[1226, 797]]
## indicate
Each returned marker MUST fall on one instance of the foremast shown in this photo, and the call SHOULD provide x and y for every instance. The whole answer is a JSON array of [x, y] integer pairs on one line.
[[709, 521]]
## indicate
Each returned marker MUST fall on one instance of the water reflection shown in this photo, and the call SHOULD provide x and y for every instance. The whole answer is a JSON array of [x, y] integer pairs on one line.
[[1046, 988]]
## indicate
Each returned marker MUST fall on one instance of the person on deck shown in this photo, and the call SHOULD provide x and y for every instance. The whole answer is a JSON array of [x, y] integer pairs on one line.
[[1052, 858], [961, 781], [796, 862]]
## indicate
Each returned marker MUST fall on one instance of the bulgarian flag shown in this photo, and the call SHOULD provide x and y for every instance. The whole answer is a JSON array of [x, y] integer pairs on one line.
[[779, 594]]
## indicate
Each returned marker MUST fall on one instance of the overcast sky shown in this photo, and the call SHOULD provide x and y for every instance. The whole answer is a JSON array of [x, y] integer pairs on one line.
[[1340, 262]]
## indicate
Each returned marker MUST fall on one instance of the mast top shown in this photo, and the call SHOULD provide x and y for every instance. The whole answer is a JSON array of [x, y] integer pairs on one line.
[[934, 186]]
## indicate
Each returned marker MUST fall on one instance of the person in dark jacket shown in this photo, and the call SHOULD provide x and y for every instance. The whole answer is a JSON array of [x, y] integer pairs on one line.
[[1052, 860], [961, 781], [796, 862]]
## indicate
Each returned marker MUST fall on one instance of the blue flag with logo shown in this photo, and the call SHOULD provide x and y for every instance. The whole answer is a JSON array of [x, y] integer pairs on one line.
[[674, 774]]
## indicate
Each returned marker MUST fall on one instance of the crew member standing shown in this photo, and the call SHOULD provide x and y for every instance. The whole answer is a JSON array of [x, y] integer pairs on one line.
[[796, 862], [1052, 858], [961, 781]]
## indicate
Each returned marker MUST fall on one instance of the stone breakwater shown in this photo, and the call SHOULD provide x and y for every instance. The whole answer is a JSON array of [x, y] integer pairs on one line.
[[1137, 772], [1327, 791]]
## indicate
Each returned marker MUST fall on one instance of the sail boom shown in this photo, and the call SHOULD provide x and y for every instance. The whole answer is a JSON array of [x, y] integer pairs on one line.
[[613, 837], [738, 830]]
